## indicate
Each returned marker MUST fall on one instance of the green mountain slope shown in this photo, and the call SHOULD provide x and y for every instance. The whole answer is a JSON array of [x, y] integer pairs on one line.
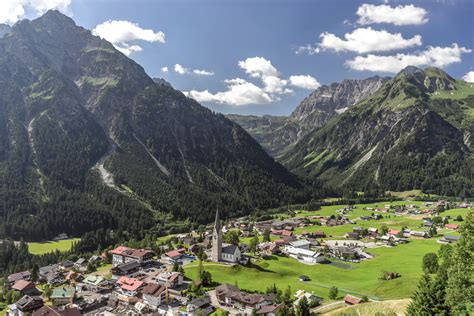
[[88, 141], [415, 132]]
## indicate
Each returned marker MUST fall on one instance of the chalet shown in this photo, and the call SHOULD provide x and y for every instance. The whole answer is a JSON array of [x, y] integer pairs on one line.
[[352, 235], [300, 243], [25, 305], [373, 231], [270, 310], [312, 299], [96, 259], [449, 239], [316, 234], [24, 275], [352, 300], [199, 306], [129, 286], [281, 232], [46, 271], [125, 269], [81, 262], [393, 232], [175, 255], [63, 295], [26, 288], [92, 282], [170, 279], [66, 265], [229, 295], [451, 226], [269, 248], [153, 295], [419, 234], [124, 254]]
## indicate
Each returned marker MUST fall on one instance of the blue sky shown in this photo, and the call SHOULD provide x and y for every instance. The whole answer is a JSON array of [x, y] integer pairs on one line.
[[270, 40]]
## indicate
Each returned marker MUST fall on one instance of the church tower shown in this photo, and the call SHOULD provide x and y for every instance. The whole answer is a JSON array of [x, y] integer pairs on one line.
[[217, 239]]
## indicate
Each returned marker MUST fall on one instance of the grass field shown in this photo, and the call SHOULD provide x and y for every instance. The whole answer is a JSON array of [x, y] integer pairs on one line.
[[392, 306], [360, 279], [38, 248]]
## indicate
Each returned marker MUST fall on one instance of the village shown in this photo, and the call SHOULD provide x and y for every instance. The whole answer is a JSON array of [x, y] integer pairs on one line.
[[183, 279]]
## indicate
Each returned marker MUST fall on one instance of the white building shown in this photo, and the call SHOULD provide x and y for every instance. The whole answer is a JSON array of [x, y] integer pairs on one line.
[[304, 255]]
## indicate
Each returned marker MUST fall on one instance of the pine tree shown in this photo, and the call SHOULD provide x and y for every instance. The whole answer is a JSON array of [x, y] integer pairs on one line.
[[422, 300], [303, 307]]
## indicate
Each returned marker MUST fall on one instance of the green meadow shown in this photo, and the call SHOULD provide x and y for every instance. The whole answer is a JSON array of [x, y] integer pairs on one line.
[[39, 248], [355, 278]]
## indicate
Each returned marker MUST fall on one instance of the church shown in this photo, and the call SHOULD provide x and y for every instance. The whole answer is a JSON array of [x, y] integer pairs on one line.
[[221, 251]]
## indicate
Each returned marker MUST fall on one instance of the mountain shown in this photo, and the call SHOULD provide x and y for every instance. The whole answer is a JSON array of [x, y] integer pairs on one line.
[[4, 29], [278, 134], [414, 132], [88, 140]]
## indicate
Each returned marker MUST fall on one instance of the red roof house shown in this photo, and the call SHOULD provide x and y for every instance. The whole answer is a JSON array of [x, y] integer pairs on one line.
[[352, 300]]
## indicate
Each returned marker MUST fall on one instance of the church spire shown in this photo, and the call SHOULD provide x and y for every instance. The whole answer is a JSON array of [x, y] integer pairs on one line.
[[217, 222], [216, 252]]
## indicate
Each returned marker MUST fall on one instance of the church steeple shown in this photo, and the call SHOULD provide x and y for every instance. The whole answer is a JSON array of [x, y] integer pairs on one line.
[[217, 239]]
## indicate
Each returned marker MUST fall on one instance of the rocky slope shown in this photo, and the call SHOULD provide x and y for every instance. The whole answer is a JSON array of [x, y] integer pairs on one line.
[[88, 140], [414, 132], [277, 135]]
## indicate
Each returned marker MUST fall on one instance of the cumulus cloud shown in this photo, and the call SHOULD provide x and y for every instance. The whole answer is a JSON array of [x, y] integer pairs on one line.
[[364, 40], [399, 15], [164, 69], [258, 67], [469, 77], [240, 92], [180, 69], [432, 56], [122, 33], [308, 49], [305, 82], [202, 72], [12, 11]]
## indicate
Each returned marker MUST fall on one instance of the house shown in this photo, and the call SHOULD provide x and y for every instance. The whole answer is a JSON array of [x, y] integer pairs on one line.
[[129, 286], [25, 305], [124, 254], [269, 248], [352, 235], [52, 311], [97, 259], [92, 282], [352, 300], [393, 232], [125, 269], [66, 265], [451, 226], [304, 255], [419, 234], [50, 274], [81, 262], [270, 310], [63, 295], [230, 253], [26, 288], [199, 306], [312, 299], [301, 244], [24, 275], [170, 279], [229, 295], [304, 278], [449, 239], [153, 295], [175, 255]]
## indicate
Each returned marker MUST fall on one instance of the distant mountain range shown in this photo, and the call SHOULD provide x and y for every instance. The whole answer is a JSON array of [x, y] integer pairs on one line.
[[89, 141], [278, 134], [413, 131]]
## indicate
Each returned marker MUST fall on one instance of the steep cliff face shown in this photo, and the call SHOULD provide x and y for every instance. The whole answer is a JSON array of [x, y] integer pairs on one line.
[[89, 140], [414, 132], [277, 135]]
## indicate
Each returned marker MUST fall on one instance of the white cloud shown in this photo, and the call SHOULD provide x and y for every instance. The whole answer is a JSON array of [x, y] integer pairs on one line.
[[12, 11], [308, 49], [164, 69], [180, 69], [202, 72], [364, 40], [239, 92], [469, 77], [305, 82], [121, 33], [258, 67], [432, 56], [400, 15]]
